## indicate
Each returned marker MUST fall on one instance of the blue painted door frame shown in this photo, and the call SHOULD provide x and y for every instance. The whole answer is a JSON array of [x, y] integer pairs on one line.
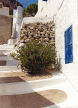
[[68, 46]]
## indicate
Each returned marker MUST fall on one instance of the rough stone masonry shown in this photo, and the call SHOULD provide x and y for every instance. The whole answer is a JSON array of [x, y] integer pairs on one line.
[[44, 32]]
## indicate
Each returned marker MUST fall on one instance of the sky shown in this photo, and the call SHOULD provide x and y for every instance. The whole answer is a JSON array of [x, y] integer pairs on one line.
[[27, 2]]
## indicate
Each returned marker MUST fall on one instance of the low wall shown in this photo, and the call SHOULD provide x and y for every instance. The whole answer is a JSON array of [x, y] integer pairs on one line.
[[17, 21], [5, 28]]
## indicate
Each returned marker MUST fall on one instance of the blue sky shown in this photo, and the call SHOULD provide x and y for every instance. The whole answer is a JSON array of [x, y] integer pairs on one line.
[[27, 2]]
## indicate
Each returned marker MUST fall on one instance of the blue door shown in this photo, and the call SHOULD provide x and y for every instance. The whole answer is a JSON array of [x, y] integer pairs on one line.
[[68, 46]]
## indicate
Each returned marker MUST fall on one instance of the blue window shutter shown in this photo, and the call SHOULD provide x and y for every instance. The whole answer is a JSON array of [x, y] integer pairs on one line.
[[66, 54], [68, 46], [70, 53]]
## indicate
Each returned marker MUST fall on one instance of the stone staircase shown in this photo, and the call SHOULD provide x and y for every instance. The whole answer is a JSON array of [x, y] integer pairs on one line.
[[7, 63]]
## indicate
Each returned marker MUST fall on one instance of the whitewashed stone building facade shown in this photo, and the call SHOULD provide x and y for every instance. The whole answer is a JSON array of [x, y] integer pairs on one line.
[[66, 22], [64, 13], [65, 16]]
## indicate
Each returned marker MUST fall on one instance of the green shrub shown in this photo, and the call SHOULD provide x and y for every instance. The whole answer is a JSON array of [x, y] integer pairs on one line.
[[30, 10], [14, 55], [36, 57]]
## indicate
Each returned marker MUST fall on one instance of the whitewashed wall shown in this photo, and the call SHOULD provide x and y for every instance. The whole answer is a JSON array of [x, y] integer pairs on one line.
[[67, 16], [4, 11], [49, 8], [28, 20], [17, 21], [14, 23], [41, 9]]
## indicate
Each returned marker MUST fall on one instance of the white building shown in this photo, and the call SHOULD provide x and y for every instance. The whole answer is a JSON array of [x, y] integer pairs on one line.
[[66, 22], [4, 10], [65, 15]]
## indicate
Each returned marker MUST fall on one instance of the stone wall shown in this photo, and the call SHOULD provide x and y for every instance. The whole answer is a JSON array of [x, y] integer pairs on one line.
[[5, 28], [44, 32]]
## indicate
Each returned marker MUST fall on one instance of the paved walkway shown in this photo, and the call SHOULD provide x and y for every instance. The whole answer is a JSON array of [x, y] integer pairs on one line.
[[21, 94], [33, 100], [16, 93]]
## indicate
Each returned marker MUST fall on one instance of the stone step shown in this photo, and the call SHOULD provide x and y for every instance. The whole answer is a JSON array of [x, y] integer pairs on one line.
[[5, 51], [5, 57], [46, 82], [17, 87], [11, 74], [29, 87], [11, 69], [8, 61], [6, 46]]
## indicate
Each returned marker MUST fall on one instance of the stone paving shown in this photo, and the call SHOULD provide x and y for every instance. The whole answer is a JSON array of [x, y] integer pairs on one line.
[[55, 92], [47, 93], [10, 79], [33, 100]]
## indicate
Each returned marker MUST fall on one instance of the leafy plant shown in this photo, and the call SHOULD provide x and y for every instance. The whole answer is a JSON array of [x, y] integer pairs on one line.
[[36, 57], [14, 55], [30, 10]]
